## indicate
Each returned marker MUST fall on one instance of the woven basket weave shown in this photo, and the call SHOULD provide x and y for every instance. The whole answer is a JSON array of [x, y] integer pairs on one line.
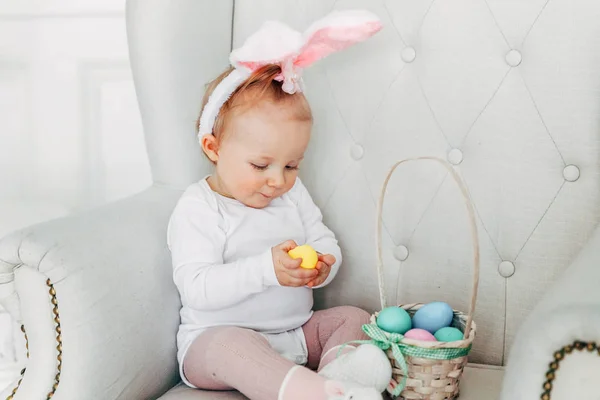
[[426, 370]]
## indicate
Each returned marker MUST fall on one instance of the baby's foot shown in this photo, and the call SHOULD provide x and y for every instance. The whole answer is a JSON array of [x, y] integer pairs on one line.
[[367, 366], [348, 391]]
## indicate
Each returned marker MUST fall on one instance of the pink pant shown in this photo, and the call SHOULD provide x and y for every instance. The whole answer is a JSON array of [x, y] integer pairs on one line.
[[225, 358]]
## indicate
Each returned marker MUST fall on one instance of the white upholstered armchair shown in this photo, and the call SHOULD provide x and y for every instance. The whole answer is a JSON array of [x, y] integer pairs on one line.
[[507, 91]]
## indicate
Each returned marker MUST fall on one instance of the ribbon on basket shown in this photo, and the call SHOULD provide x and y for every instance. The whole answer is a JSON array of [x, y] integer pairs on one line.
[[386, 340]]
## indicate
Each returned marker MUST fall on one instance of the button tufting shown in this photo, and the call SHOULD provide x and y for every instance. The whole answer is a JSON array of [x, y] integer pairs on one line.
[[408, 54], [401, 253], [506, 269], [455, 156], [571, 173], [513, 58], [357, 152]]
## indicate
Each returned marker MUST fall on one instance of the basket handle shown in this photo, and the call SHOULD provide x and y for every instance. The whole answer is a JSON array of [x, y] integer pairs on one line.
[[474, 235]]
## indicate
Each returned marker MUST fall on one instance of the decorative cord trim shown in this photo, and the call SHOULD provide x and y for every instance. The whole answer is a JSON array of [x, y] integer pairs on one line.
[[14, 391], [558, 357], [57, 328]]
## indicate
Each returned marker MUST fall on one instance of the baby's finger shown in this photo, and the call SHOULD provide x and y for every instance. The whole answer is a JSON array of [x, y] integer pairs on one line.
[[327, 259], [298, 281], [324, 270], [288, 245], [291, 263], [316, 282], [303, 273]]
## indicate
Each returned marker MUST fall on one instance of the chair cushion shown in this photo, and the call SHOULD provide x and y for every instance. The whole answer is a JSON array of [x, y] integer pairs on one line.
[[478, 382]]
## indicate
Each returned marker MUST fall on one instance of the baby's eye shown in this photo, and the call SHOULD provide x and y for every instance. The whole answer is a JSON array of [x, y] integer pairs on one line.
[[291, 168], [259, 167]]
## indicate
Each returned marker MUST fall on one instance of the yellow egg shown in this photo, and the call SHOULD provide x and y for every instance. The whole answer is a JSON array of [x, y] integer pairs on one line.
[[308, 254]]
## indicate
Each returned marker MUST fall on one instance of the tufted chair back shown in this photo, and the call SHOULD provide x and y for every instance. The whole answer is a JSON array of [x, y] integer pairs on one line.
[[507, 92]]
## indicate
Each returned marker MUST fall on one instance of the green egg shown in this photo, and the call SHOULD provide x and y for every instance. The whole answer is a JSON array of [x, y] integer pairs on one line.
[[394, 320], [448, 334]]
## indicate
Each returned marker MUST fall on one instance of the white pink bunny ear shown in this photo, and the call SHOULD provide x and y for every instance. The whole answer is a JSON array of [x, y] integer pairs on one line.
[[277, 43], [336, 32], [271, 44]]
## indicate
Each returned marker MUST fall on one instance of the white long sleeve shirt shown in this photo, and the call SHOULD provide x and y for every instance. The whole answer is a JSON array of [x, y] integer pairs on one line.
[[223, 266]]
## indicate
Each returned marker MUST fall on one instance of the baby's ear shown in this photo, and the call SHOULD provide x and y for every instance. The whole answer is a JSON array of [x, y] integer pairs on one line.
[[333, 388], [335, 32], [210, 146]]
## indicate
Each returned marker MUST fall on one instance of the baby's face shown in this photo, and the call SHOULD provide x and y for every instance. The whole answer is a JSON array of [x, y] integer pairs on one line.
[[260, 154]]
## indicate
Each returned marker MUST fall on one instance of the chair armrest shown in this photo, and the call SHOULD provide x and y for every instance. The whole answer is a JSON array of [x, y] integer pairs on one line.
[[569, 311], [96, 289]]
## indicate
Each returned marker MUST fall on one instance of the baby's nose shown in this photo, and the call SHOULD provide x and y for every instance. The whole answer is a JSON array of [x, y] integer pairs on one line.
[[276, 180]]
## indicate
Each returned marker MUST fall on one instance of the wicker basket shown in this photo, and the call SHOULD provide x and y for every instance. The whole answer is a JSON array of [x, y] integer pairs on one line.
[[426, 370]]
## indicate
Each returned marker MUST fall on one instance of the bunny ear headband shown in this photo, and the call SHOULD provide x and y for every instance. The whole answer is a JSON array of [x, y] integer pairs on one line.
[[276, 43]]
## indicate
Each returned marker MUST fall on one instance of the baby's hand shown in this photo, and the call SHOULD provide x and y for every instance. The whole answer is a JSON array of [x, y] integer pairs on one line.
[[287, 269], [324, 265]]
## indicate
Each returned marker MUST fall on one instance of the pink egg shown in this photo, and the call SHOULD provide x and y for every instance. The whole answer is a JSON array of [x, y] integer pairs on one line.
[[420, 334]]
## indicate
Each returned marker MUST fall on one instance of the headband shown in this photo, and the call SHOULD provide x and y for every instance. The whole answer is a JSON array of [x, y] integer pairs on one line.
[[277, 43]]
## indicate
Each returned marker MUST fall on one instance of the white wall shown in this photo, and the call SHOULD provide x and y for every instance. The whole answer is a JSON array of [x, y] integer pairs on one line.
[[70, 130]]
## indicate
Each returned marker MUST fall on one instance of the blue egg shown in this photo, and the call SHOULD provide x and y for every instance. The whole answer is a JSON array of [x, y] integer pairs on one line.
[[433, 316], [394, 320], [448, 334]]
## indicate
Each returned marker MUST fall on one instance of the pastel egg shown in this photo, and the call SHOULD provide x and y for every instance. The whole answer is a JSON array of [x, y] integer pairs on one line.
[[420, 334], [307, 254], [449, 334], [394, 320], [433, 316]]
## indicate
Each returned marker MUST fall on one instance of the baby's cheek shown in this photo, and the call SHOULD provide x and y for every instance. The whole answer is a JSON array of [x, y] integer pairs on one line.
[[289, 182], [250, 183]]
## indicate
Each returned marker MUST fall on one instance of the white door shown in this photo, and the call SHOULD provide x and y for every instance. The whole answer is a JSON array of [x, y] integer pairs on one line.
[[70, 131]]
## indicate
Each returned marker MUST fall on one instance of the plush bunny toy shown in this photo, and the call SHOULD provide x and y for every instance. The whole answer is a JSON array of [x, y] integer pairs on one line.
[[339, 391]]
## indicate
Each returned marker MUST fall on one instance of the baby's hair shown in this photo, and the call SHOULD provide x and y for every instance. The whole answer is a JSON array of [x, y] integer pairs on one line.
[[260, 86]]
